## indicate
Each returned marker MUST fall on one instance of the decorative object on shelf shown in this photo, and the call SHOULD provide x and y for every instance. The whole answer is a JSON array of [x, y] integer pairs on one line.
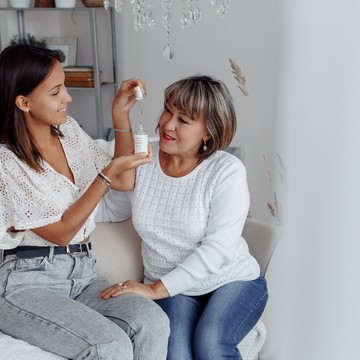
[[143, 15], [93, 3], [20, 3], [44, 3], [65, 3], [29, 39], [68, 45]]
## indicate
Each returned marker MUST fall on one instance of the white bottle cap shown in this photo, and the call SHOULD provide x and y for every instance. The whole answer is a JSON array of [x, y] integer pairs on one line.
[[138, 93]]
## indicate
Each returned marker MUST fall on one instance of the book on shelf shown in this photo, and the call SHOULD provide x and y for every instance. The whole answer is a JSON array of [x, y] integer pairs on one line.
[[80, 76], [80, 68], [79, 71], [80, 83]]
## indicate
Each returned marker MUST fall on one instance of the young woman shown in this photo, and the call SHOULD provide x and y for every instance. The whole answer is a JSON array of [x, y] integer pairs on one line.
[[52, 177], [189, 206]]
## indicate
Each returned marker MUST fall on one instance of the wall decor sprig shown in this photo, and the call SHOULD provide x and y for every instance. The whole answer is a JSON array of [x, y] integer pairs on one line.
[[274, 207]]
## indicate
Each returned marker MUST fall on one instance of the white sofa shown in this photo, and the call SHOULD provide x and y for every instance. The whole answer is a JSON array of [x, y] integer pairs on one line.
[[117, 249]]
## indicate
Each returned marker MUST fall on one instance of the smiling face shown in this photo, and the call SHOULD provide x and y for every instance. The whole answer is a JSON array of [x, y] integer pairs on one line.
[[179, 134], [47, 103]]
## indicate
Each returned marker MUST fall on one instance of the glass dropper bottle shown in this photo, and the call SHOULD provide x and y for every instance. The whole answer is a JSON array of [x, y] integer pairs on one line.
[[140, 137]]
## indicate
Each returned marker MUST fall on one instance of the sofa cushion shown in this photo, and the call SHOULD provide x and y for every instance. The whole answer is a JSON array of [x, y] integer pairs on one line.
[[14, 349], [116, 246]]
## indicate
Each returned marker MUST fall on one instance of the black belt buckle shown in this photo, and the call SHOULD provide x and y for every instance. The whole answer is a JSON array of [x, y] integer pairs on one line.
[[71, 248]]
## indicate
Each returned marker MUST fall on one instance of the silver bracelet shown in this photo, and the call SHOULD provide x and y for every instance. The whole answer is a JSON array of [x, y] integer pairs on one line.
[[122, 130], [104, 178], [107, 187]]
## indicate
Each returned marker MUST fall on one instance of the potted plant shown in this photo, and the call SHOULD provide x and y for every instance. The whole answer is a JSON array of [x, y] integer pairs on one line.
[[29, 40]]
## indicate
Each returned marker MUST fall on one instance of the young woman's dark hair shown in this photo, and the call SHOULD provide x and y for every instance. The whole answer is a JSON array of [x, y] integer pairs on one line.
[[22, 69], [204, 97]]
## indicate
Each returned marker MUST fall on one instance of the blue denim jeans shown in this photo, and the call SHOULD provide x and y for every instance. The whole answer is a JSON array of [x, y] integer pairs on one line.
[[209, 327], [53, 302]]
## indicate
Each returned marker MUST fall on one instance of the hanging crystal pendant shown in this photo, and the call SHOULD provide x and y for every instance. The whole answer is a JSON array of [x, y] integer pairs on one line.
[[222, 6], [195, 12], [118, 5], [190, 14], [168, 51], [140, 16], [150, 21]]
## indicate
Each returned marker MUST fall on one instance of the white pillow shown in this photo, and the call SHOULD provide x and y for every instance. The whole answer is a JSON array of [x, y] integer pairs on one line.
[[14, 349]]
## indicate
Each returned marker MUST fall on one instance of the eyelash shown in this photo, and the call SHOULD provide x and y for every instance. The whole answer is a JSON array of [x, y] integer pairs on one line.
[[182, 120]]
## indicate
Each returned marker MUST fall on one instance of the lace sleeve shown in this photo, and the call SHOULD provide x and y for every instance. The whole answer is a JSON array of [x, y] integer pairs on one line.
[[87, 146], [7, 239], [28, 198]]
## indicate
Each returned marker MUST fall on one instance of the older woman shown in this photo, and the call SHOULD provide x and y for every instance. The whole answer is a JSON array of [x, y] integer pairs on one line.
[[189, 206]]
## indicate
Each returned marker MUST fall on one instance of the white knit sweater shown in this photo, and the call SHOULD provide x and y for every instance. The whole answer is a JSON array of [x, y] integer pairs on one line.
[[191, 226]]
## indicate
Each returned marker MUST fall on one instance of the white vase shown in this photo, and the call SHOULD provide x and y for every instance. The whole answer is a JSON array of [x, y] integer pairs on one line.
[[20, 3], [65, 3]]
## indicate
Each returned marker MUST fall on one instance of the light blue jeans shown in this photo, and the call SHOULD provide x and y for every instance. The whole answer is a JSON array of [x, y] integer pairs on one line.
[[53, 302], [209, 327]]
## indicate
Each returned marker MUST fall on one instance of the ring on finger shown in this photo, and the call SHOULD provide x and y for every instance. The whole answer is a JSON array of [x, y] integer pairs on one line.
[[121, 285]]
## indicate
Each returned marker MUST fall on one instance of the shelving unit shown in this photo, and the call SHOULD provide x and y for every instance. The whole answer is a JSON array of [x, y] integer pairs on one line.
[[95, 53]]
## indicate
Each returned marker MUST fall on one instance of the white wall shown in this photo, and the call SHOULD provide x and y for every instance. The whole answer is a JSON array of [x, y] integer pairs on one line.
[[249, 35], [319, 129]]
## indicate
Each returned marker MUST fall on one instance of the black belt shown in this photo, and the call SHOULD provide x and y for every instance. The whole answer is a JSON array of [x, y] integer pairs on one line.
[[39, 251]]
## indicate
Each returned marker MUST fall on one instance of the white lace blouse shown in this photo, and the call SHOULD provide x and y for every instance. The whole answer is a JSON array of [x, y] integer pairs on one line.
[[30, 199]]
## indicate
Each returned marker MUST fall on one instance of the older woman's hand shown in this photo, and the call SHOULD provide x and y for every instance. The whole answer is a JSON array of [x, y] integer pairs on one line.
[[152, 291], [125, 97]]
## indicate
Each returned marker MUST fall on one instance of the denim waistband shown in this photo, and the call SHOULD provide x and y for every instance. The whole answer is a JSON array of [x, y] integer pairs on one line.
[[39, 251]]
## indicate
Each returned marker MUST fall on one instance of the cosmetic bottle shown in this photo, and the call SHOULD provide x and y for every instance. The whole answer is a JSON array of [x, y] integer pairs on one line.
[[140, 137], [141, 140], [138, 93]]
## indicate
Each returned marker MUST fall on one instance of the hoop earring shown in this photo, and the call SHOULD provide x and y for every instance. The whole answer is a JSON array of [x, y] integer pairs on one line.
[[204, 147]]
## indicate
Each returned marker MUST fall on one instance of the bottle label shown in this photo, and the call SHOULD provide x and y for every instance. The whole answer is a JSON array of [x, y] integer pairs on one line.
[[141, 143]]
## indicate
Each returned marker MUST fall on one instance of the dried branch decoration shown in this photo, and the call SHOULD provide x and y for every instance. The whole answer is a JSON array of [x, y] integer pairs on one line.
[[239, 77], [275, 208]]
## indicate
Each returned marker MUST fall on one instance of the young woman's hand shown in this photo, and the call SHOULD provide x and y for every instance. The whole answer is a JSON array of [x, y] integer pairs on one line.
[[116, 168]]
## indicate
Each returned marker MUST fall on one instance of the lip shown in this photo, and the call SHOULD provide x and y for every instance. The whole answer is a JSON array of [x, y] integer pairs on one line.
[[63, 110], [167, 137]]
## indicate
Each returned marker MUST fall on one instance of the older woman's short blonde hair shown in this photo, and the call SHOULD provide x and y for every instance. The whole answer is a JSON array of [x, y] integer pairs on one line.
[[203, 97]]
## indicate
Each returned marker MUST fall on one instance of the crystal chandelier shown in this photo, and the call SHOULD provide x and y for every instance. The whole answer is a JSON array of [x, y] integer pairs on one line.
[[190, 14]]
